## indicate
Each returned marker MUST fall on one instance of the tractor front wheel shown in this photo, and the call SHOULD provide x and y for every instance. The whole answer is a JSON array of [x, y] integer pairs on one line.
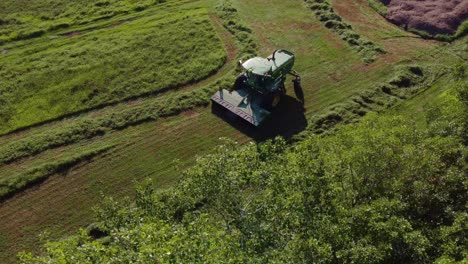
[[240, 82], [283, 88]]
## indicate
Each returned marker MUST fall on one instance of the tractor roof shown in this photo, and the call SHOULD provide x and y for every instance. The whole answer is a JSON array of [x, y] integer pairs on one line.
[[262, 66]]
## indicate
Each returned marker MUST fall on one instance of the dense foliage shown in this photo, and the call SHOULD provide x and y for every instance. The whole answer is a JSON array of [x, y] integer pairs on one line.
[[382, 191]]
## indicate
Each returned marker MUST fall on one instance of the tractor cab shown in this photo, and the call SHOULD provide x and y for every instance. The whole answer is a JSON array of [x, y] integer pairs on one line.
[[267, 75]]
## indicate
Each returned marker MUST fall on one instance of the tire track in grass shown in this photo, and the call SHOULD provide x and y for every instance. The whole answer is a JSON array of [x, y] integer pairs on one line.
[[71, 196]]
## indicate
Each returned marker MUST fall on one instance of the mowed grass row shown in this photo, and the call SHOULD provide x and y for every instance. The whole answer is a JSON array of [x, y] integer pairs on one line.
[[65, 202], [50, 78], [324, 12], [22, 19], [9, 186], [87, 128]]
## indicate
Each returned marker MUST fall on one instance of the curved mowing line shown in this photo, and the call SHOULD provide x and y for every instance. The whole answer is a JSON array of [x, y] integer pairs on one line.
[[231, 51], [118, 119], [133, 113]]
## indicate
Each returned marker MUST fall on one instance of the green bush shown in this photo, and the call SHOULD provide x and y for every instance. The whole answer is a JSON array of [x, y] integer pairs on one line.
[[378, 6], [462, 30]]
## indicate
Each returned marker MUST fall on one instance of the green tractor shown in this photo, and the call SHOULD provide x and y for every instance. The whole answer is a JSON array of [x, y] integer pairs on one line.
[[258, 90]]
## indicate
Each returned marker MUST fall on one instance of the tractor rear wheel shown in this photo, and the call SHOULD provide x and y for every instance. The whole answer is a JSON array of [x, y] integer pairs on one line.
[[271, 101], [276, 100]]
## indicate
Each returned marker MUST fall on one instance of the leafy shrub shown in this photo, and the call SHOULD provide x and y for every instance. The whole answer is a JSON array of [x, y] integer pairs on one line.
[[378, 6], [462, 30]]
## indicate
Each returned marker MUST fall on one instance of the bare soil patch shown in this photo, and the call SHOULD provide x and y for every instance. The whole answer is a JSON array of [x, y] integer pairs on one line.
[[190, 113], [432, 16]]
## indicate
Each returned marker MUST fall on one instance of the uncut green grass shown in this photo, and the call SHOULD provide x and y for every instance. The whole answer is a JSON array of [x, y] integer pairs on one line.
[[20, 18], [49, 78]]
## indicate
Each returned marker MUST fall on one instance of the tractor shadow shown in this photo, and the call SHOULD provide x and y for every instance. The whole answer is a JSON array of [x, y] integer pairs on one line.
[[286, 120]]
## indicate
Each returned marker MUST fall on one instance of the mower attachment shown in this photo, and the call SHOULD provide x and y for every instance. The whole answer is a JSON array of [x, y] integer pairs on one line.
[[241, 104]]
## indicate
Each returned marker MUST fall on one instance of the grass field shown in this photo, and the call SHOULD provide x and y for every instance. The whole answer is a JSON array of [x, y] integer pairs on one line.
[[54, 76], [28, 19], [332, 72]]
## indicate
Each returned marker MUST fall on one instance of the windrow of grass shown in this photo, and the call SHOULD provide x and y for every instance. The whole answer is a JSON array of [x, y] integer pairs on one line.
[[12, 185], [89, 127], [46, 79], [169, 105], [407, 81], [246, 42], [324, 12], [24, 19]]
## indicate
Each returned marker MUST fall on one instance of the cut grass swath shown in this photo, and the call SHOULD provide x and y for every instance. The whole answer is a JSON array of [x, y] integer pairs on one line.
[[328, 17], [10, 186]]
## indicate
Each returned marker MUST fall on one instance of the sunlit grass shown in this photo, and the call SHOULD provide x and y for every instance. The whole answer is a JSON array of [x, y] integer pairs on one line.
[[49, 78]]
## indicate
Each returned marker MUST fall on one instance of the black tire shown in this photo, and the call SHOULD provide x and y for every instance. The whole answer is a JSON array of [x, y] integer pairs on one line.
[[283, 89], [271, 101], [240, 82]]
